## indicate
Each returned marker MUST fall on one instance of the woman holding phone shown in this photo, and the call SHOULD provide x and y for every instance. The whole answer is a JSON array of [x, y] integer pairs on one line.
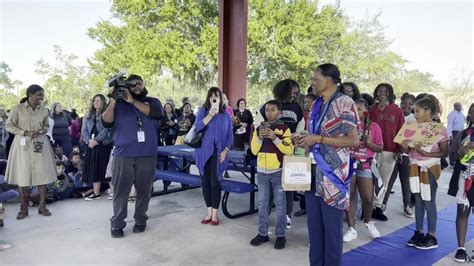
[[212, 157]]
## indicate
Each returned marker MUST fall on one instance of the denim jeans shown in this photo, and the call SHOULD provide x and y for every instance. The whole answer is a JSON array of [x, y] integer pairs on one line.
[[267, 183], [430, 207], [9, 194]]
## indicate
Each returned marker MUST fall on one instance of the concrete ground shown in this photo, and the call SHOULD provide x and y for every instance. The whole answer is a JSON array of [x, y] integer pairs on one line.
[[78, 233]]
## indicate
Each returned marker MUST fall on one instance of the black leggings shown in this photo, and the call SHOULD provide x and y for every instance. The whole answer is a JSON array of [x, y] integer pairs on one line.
[[211, 186]]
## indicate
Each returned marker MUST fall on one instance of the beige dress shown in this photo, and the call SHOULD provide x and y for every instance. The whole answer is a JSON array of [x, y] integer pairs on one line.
[[27, 167]]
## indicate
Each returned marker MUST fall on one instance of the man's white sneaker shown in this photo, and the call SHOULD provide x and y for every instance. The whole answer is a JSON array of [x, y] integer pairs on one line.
[[350, 234], [373, 232], [288, 222]]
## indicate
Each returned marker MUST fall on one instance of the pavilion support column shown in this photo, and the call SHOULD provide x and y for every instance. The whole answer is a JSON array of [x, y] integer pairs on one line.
[[233, 49]]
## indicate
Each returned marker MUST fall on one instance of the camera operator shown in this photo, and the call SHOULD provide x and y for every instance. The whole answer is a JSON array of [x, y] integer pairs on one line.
[[135, 120]]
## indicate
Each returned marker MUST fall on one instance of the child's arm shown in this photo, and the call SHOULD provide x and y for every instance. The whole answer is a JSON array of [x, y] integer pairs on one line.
[[375, 142], [256, 143], [404, 147], [284, 145], [443, 151], [374, 147]]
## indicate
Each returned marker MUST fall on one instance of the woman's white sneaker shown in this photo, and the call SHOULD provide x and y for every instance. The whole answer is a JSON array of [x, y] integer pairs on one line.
[[373, 232], [350, 234]]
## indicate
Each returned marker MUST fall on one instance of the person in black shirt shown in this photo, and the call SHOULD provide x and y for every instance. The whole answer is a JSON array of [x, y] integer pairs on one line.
[[168, 125], [242, 120], [184, 124], [286, 91]]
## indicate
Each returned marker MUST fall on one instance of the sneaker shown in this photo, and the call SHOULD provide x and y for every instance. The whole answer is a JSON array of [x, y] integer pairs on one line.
[[461, 256], [4, 246], [116, 232], [280, 243], [139, 228], [417, 237], [92, 197], [373, 232], [429, 242], [258, 240], [408, 212], [300, 213], [288, 221], [378, 215], [111, 196], [350, 234]]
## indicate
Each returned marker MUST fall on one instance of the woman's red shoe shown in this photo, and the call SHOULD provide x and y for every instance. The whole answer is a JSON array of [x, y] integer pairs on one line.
[[215, 222], [206, 221]]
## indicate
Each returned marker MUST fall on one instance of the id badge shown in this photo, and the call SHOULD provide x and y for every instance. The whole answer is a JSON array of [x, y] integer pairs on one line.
[[141, 136], [23, 142]]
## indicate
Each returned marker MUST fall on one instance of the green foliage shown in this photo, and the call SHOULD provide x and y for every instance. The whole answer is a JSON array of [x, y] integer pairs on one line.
[[286, 39], [173, 45], [155, 37], [67, 82], [8, 87], [5, 81]]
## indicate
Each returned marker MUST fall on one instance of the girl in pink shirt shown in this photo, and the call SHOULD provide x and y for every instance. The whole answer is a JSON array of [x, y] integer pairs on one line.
[[371, 141]]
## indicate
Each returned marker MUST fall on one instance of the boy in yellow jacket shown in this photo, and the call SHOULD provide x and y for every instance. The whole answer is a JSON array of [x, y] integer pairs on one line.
[[270, 142]]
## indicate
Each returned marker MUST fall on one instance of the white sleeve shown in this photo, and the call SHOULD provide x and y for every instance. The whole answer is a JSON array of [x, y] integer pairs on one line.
[[300, 127], [258, 119], [450, 124]]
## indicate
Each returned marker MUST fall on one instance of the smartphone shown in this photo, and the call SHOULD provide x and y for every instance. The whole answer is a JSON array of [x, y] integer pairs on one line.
[[215, 104], [265, 124]]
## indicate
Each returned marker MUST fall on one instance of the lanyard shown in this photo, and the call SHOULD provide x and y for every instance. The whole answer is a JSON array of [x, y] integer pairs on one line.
[[317, 115], [139, 119]]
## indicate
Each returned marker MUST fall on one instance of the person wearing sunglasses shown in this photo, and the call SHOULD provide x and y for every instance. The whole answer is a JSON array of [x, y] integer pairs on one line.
[[135, 123]]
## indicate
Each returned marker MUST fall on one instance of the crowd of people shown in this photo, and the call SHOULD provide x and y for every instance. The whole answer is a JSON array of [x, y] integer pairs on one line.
[[54, 154]]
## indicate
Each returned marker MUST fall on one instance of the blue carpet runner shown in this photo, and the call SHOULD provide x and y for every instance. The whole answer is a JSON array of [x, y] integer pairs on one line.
[[392, 249]]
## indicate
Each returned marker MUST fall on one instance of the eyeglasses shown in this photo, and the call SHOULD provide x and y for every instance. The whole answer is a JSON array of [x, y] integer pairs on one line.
[[135, 83]]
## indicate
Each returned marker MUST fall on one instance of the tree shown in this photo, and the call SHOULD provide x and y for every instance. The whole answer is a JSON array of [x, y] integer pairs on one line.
[[5, 80], [17, 84], [414, 80], [42, 68], [157, 37], [67, 82], [7, 98], [174, 46]]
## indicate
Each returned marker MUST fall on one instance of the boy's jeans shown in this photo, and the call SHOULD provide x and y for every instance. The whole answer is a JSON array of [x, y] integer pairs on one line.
[[267, 182]]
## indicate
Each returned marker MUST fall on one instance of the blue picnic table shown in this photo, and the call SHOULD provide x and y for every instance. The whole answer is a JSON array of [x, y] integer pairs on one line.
[[238, 161]]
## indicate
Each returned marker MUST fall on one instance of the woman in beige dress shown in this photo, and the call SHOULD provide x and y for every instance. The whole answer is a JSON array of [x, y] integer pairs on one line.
[[31, 160]]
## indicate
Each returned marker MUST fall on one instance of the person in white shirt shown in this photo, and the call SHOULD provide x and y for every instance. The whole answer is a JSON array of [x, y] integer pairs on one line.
[[456, 123]]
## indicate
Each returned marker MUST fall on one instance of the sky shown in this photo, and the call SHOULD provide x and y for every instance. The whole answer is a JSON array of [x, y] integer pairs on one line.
[[434, 36]]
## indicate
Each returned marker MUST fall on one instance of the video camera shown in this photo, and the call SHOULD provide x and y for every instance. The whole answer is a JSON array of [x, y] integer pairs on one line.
[[120, 84]]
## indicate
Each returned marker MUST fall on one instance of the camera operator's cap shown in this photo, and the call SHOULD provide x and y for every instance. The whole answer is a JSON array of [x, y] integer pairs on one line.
[[134, 77]]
